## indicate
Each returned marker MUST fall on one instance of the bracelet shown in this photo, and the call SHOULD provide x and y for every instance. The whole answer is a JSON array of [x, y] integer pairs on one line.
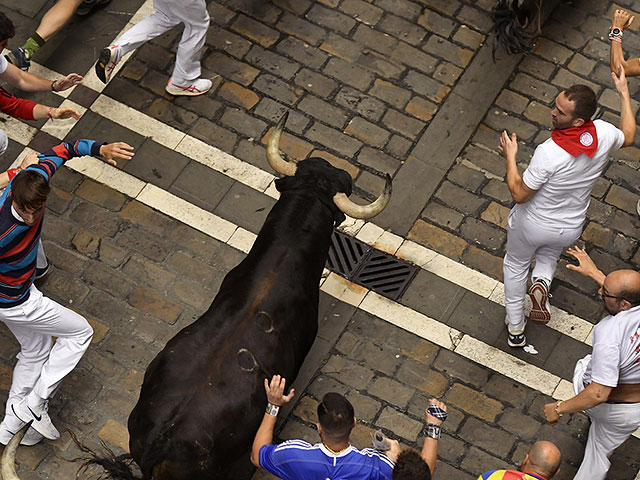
[[615, 39], [12, 172], [52, 86], [556, 408], [272, 409], [431, 431], [49, 113]]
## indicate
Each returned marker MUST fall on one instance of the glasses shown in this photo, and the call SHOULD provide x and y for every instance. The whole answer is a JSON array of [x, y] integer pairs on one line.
[[606, 295]]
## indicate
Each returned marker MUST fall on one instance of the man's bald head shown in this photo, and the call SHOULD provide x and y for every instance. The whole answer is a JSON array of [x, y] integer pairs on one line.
[[543, 459], [624, 284]]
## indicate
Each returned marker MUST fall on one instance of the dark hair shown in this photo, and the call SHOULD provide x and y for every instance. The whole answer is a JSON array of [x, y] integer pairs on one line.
[[30, 189], [410, 466], [584, 99], [7, 30], [335, 414]]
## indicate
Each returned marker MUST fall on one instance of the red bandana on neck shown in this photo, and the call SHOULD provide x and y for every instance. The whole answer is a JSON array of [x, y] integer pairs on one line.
[[577, 140]]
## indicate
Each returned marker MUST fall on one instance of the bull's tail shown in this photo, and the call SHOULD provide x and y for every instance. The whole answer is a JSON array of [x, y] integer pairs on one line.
[[117, 467]]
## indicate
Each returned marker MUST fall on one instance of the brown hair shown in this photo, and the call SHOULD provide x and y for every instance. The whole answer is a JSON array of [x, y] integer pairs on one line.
[[335, 414], [30, 189], [584, 99], [410, 466], [7, 30]]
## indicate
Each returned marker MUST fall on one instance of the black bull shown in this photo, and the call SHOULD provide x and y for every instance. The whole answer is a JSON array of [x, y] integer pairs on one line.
[[203, 396]]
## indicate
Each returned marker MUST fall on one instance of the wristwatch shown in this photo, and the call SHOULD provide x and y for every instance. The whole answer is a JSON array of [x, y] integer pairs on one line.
[[615, 32], [431, 431], [272, 409]]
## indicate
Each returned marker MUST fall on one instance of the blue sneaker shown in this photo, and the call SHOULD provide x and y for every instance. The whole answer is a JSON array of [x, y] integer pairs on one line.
[[20, 58]]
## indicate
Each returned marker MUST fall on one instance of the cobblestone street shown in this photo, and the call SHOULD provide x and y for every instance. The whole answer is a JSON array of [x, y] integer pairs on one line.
[[400, 87]]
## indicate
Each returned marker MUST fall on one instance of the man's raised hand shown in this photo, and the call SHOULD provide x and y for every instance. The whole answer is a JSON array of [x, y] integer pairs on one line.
[[275, 391]]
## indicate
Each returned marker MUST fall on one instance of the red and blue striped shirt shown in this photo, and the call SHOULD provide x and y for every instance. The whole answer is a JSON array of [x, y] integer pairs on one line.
[[19, 241]]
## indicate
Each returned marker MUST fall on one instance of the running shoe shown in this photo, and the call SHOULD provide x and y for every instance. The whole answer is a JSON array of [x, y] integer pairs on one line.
[[199, 86]]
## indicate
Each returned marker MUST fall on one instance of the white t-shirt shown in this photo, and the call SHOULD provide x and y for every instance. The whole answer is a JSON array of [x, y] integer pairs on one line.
[[564, 182], [3, 64], [616, 350]]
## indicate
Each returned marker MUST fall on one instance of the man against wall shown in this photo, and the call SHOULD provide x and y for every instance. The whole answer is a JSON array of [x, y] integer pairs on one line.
[[553, 194]]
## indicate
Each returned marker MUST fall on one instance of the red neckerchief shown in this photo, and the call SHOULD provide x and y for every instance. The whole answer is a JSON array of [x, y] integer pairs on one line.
[[577, 140]]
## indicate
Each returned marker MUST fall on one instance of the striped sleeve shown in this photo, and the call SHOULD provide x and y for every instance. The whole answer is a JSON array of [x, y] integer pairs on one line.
[[54, 158]]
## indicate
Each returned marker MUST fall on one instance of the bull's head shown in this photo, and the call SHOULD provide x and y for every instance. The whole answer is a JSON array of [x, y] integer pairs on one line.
[[340, 198]]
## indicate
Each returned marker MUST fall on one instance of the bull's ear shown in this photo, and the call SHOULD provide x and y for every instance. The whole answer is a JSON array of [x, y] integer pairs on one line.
[[285, 183]]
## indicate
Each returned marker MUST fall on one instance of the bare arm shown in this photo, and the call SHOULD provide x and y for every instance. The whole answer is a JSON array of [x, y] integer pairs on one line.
[[520, 192], [28, 82], [621, 20], [627, 119], [593, 394], [429, 451], [42, 111], [264, 435]]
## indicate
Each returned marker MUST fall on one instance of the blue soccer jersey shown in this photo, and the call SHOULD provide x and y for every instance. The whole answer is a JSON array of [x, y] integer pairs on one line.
[[299, 460]]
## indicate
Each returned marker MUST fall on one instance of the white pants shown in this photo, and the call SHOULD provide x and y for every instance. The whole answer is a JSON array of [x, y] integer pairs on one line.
[[526, 239], [169, 13], [4, 142], [42, 364], [611, 425]]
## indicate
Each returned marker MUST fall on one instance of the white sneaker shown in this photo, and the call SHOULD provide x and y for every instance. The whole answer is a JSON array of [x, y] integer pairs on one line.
[[41, 420], [516, 338], [199, 86], [107, 61], [30, 438]]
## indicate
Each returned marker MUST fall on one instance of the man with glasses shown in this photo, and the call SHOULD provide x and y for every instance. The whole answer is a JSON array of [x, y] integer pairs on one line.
[[607, 382]]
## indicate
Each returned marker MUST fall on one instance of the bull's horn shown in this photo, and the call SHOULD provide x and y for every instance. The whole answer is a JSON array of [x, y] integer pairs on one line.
[[276, 161], [364, 212], [8, 468]]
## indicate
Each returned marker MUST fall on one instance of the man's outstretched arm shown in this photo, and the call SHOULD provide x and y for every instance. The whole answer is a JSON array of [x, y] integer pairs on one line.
[[621, 20], [276, 398], [29, 82], [429, 451], [627, 119]]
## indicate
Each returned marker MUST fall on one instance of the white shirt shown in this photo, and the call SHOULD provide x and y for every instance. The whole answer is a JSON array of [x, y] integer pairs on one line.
[[616, 350], [3, 64], [564, 182]]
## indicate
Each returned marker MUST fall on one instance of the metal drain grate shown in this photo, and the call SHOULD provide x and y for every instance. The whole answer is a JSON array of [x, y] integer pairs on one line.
[[385, 274], [345, 253], [371, 268]]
